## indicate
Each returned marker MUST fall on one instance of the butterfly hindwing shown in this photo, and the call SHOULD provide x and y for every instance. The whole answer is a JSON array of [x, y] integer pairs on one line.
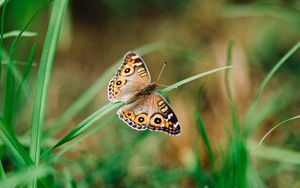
[[130, 78], [136, 114], [162, 117], [150, 112]]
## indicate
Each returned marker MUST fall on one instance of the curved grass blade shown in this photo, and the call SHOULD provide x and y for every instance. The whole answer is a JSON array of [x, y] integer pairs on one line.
[[13, 144], [25, 176], [233, 109], [276, 154], [26, 86], [9, 96], [264, 84], [90, 93], [17, 33], [24, 77], [2, 172], [182, 82], [43, 77], [86, 124], [2, 32], [271, 130], [73, 144], [89, 121], [205, 140]]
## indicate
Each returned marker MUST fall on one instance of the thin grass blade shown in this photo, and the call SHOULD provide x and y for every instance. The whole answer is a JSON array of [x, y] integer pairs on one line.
[[271, 130], [17, 33], [2, 172], [43, 78], [205, 140], [9, 96], [86, 124], [187, 80], [4, 2], [23, 79], [233, 109], [14, 146], [265, 82], [77, 141], [276, 154]]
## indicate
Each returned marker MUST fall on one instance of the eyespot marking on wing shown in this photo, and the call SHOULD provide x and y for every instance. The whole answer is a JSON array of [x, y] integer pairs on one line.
[[157, 120], [127, 71], [119, 82], [141, 119]]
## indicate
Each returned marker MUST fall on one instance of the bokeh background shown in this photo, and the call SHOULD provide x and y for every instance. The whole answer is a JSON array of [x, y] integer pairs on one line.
[[193, 36]]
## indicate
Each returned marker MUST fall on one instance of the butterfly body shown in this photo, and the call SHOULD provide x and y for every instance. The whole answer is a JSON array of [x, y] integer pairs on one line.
[[144, 108]]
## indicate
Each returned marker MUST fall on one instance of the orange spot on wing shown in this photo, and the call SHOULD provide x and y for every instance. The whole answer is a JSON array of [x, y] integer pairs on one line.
[[144, 74], [164, 109], [161, 102], [140, 69]]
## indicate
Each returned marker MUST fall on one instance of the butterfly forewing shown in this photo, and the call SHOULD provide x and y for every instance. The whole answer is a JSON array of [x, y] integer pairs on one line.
[[130, 78]]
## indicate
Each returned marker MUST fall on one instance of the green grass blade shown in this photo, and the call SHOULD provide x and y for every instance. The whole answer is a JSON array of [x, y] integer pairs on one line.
[[233, 109], [86, 124], [9, 96], [2, 172], [2, 33], [90, 93], [26, 86], [43, 77], [15, 147], [17, 33], [205, 140], [187, 80], [227, 72], [265, 82], [73, 144], [271, 130], [271, 106], [276, 154], [22, 81], [25, 176]]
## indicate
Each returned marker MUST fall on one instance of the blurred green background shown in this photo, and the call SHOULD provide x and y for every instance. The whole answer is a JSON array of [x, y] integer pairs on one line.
[[216, 147]]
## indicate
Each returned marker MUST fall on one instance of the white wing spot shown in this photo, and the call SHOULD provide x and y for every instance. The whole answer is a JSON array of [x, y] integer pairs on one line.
[[169, 116], [176, 124], [138, 64]]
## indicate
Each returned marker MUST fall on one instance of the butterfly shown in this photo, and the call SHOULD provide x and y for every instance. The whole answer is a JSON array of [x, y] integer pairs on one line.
[[144, 108]]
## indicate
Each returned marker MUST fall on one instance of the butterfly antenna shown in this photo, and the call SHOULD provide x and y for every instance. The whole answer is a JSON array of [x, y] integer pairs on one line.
[[162, 69]]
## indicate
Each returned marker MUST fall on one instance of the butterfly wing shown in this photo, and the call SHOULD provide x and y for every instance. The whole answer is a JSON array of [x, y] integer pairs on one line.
[[130, 78], [150, 112], [135, 114], [162, 117]]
